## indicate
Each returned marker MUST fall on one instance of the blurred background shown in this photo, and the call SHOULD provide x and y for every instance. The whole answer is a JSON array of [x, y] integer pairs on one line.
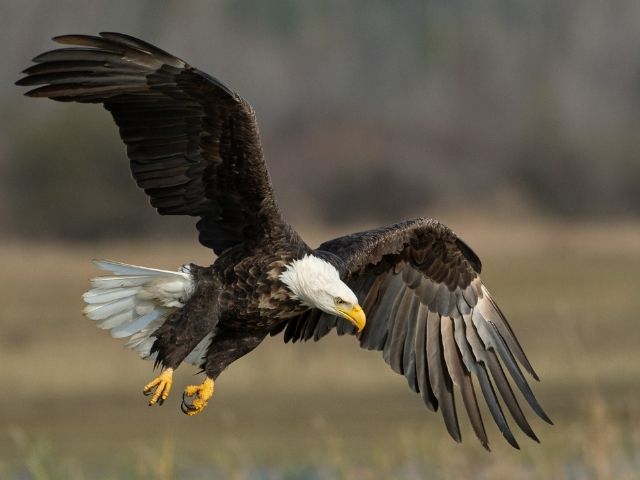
[[514, 122]]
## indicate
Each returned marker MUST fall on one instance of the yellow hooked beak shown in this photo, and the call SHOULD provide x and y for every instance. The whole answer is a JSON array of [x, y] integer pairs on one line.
[[355, 315]]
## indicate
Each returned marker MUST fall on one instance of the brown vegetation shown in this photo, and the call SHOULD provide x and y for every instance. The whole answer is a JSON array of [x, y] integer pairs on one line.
[[71, 404]]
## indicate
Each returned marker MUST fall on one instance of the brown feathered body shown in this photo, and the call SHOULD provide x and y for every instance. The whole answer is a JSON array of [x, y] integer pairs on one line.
[[239, 298]]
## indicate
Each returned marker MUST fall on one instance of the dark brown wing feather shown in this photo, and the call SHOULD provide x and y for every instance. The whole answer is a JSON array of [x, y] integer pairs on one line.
[[192, 142], [432, 318]]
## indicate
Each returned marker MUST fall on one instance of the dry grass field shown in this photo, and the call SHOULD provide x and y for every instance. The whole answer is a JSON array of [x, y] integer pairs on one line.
[[71, 404]]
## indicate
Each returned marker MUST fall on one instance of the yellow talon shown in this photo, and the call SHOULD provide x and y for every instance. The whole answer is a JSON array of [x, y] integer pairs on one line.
[[162, 384], [202, 392]]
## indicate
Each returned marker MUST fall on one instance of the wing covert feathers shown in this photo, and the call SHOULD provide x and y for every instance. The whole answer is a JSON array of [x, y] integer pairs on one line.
[[434, 322], [193, 143]]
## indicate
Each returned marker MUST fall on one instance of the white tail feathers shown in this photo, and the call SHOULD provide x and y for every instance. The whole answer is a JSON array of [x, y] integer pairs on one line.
[[135, 301]]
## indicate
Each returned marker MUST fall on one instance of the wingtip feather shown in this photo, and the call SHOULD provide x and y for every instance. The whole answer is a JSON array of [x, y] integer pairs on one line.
[[71, 38]]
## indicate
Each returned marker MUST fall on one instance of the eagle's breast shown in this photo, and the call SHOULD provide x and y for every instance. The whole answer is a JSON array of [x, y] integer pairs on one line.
[[252, 288]]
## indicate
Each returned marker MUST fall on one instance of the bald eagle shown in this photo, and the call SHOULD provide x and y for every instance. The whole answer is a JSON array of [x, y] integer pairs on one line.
[[411, 290]]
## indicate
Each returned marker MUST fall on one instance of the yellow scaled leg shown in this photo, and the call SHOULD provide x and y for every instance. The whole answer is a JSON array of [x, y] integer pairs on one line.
[[160, 387], [202, 392]]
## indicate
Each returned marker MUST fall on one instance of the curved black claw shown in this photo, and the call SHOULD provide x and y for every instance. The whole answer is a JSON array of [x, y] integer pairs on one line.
[[184, 406], [201, 395]]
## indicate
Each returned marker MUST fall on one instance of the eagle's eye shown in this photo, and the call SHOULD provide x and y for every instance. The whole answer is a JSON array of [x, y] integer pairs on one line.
[[340, 301]]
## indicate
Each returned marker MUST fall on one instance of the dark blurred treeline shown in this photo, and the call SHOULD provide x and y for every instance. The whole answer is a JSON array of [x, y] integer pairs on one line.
[[369, 109]]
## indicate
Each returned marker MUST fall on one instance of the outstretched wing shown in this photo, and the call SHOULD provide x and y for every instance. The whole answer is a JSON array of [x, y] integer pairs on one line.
[[193, 143], [432, 318]]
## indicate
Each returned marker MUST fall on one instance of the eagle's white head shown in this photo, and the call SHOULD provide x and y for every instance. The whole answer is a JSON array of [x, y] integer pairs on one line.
[[316, 283]]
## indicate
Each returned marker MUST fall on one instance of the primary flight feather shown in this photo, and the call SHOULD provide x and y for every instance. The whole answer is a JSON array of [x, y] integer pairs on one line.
[[410, 290]]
